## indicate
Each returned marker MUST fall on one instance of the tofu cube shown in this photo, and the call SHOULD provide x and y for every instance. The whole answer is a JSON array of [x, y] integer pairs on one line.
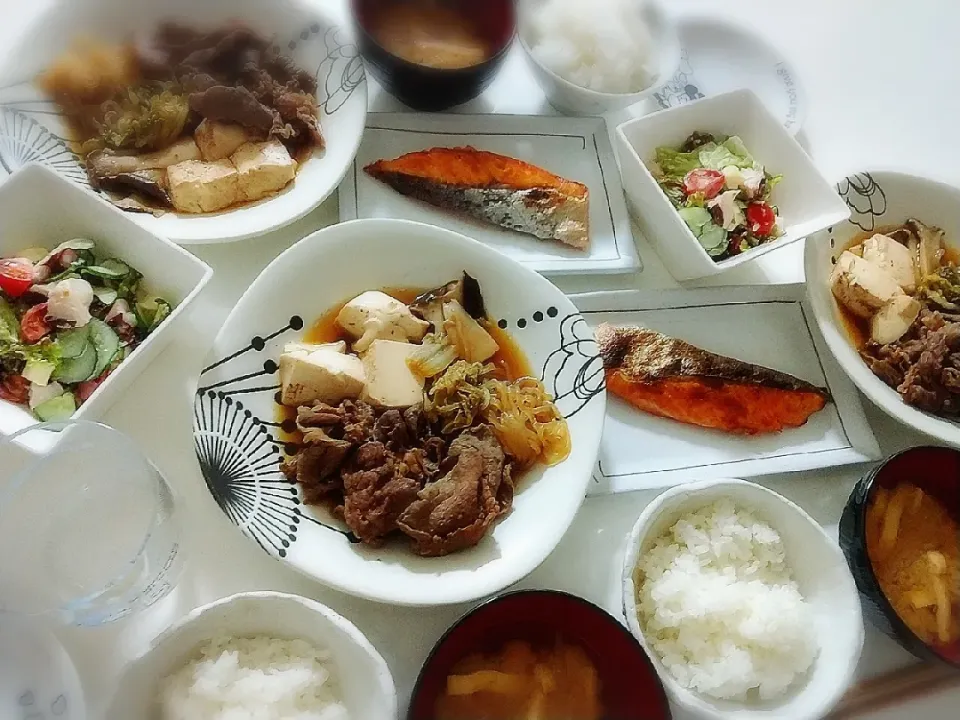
[[894, 319], [325, 374], [200, 187], [375, 315], [180, 151], [264, 168], [892, 257], [390, 383], [339, 346], [219, 140], [862, 286]]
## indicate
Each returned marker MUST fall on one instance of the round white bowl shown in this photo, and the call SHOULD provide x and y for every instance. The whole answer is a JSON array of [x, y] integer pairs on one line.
[[877, 199], [31, 128], [365, 681], [820, 570], [573, 99], [235, 409]]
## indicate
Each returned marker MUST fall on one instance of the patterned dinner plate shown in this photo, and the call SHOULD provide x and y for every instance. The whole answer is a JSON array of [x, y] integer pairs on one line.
[[32, 130], [239, 432]]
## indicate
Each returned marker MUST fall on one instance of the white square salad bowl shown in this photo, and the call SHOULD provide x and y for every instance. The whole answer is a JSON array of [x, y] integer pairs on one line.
[[237, 421], [805, 200], [878, 199], [41, 209], [31, 129]]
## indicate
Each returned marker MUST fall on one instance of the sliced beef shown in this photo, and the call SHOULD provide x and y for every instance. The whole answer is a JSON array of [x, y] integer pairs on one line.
[[317, 466], [376, 490], [454, 512], [234, 105]]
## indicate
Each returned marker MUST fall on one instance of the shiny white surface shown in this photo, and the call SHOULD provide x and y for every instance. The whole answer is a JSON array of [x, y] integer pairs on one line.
[[879, 95]]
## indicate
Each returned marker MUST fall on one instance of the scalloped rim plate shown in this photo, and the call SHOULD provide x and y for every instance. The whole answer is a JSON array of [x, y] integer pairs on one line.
[[236, 429]]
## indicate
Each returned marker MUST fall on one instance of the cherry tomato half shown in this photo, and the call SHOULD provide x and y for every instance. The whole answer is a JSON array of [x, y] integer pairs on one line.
[[760, 218], [87, 388], [15, 388], [34, 324], [705, 181], [16, 276]]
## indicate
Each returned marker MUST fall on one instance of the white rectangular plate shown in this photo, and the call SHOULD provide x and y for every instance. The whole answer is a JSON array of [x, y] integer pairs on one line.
[[770, 326], [575, 148]]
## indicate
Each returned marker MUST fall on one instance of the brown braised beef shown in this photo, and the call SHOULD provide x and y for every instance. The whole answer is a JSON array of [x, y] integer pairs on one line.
[[923, 365], [236, 76], [389, 470]]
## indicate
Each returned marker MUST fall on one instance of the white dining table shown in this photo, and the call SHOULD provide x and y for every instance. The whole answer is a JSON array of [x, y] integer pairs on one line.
[[882, 93]]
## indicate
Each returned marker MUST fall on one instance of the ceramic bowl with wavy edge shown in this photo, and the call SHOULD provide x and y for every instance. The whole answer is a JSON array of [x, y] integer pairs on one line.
[[364, 679], [238, 441], [30, 128], [820, 570], [572, 99], [41, 209], [877, 199]]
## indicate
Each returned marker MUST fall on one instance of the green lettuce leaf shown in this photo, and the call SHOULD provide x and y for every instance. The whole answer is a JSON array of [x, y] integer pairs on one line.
[[730, 152], [9, 325], [676, 164]]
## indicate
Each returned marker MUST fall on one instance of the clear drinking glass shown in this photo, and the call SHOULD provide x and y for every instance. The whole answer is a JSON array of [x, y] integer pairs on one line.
[[88, 528]]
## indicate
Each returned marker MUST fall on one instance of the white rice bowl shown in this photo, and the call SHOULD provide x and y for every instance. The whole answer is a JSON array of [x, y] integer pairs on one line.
[[254, 678], [816, 565], [601, 45], [718, 604]]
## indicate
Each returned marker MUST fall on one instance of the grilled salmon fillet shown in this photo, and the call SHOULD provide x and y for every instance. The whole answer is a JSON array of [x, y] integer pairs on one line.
[[494, 188], [674, 379]]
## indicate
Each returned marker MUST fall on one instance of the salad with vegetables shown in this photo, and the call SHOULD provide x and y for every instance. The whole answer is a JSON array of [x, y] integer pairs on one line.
[[68, 318], [721, 192]]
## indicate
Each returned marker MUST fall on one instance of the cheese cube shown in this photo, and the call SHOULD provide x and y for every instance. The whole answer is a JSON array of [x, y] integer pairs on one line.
[[219, 140], [264, 168], [390, 383], [324, 374], [199, 187]]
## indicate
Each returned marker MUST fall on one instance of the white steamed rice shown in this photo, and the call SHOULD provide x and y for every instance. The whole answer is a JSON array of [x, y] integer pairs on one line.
[[254, 678], [717, 603], [603, 45]]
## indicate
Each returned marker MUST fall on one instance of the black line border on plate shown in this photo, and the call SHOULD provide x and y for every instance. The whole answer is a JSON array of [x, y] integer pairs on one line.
[[816, 353], [583, 138]]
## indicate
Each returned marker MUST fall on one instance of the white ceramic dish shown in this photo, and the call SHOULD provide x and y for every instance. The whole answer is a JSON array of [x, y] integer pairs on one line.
[[768, 325], [364, 678], [807, 203], [820, 570], [576, 100], [30, 128], [719, 56], [235, 411], [40, 209], [574, 148], [37, 677], [877, 199]]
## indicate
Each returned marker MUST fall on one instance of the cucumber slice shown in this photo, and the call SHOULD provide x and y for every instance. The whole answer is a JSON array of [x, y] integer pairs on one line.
[[72, 342], [57, 409], [117, 266], [103, 272], [78, 369], [106, 342]]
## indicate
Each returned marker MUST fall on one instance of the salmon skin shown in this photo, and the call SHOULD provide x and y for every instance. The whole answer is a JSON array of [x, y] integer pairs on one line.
[[674, 379], [494, 188]]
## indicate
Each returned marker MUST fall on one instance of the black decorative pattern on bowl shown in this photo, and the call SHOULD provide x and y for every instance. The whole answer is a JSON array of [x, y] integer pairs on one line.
[[24, 140], [682, 88], [573, 373], [865, 198]]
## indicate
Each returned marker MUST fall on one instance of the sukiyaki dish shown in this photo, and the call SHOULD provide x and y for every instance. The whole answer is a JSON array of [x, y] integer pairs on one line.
[[415, 417], [192, 121], [899, 292]]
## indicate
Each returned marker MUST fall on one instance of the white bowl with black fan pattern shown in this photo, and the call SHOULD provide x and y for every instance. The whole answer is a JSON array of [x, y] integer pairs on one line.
[[31, 129], [236, 416], [878, 199]]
